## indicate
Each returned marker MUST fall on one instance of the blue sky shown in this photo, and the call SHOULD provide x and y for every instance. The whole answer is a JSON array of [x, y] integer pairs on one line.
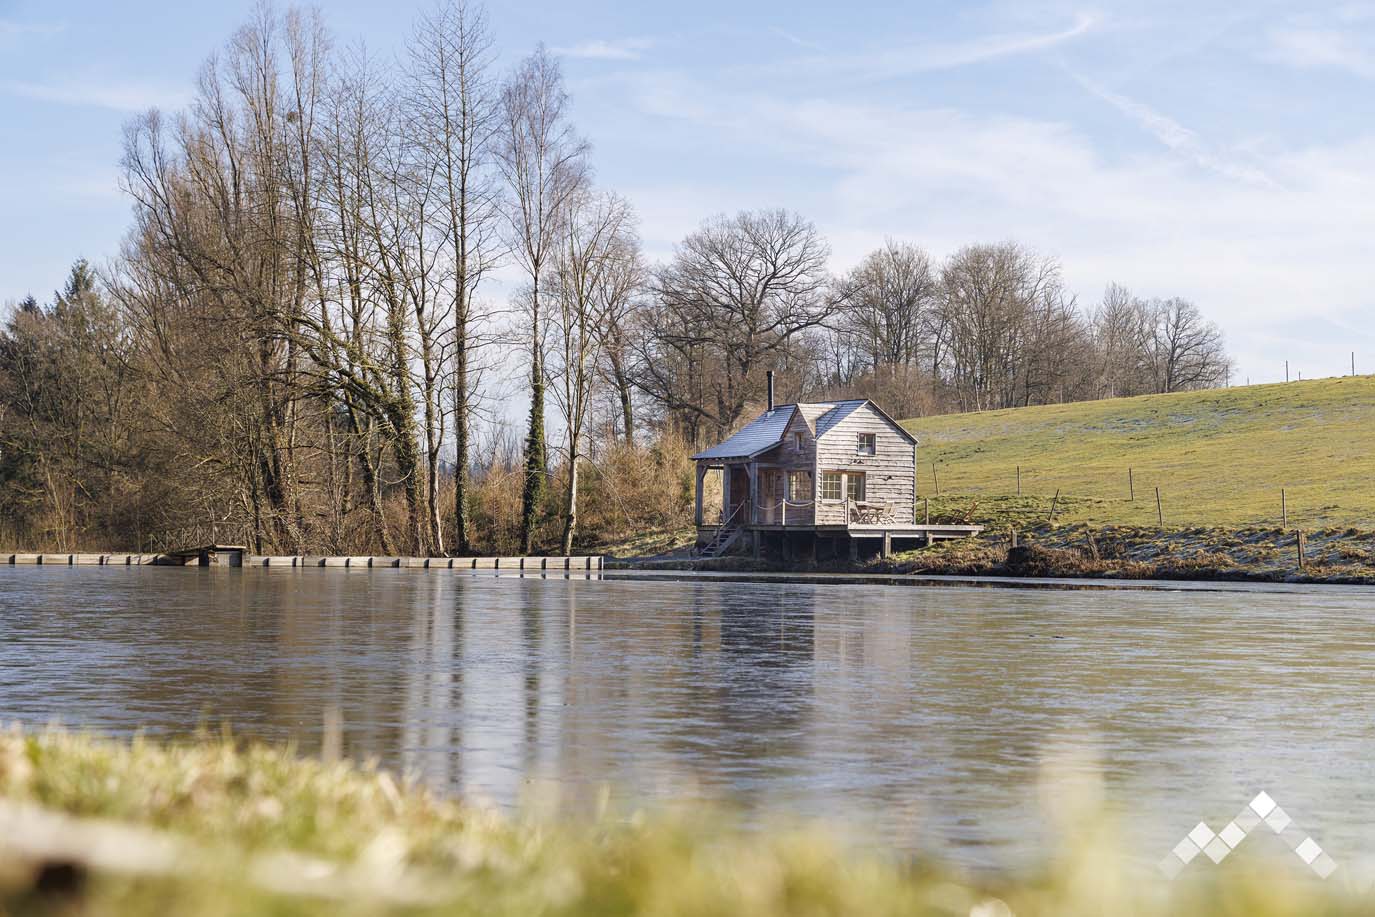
[[1223, 152]]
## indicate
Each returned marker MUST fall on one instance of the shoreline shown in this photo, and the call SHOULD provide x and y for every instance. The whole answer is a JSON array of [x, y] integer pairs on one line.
[[1066, 583], [686, 572]]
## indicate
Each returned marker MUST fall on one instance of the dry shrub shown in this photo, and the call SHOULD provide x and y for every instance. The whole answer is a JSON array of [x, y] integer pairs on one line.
[[631, 490]]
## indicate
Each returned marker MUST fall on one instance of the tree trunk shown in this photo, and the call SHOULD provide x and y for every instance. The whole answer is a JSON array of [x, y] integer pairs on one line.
[[570, 504], [535, 457], [622, 379], [462, 544]]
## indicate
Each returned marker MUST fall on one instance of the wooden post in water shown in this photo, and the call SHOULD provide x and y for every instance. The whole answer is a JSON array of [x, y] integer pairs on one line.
[[1053, 504], [1159, 513], [1284, 512], [1131, 486]]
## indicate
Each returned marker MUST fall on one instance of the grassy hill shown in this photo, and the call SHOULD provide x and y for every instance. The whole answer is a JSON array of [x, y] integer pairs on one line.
[[1219, 457]]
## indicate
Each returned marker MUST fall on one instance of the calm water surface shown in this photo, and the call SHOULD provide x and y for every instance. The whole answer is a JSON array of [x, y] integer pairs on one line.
[[924, 717]]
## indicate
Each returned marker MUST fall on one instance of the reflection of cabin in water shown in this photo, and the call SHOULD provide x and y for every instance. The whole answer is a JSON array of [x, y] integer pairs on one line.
[[834, 472]]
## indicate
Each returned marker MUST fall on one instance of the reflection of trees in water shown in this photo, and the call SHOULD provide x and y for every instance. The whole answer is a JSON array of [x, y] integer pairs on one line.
[[745, 700], [532, 659], [433, 714]]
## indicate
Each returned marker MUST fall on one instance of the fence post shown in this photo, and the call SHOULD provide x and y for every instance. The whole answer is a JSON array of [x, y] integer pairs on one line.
[[1131, 486], [926, 508], [1301, 542], [935, 480], [1159, 513], [1284, 512], [1019, 480], [1053, 504]]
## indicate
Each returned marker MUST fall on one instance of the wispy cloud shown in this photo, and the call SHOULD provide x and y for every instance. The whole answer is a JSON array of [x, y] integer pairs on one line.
[[10, 28], [1178, 138], [110, 95], [903, 61], [604, 49], [1321, 49], [795, 40]]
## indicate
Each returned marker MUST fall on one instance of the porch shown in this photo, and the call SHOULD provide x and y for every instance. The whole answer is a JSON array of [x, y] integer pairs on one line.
[[763, 495]]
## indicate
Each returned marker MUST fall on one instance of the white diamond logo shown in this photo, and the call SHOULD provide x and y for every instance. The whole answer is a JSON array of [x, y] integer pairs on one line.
[[1232, 835], [1262, 804], [1217, 846], [1202, 835]]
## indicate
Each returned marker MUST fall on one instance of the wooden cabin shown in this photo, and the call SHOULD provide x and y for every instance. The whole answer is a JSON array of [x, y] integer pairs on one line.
[[833, 473]]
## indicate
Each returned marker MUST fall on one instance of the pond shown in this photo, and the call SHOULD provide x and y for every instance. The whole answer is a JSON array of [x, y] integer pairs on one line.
[[946, 719]]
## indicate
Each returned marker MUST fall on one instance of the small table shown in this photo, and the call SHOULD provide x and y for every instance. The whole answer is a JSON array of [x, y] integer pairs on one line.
[[872, 513]]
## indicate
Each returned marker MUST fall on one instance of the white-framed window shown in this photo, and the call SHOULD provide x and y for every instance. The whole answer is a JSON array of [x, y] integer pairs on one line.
[[799, 486], [832, 485], [866, 444], [854, 486]]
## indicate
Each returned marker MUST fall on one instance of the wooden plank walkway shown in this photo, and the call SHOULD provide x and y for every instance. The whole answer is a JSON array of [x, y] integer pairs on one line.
[[238, 557]]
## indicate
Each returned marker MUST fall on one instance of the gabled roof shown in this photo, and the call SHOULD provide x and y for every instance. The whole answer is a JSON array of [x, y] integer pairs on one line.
[[814, 412], [838, 412], [842, 409], [766, 431], [759, 435]]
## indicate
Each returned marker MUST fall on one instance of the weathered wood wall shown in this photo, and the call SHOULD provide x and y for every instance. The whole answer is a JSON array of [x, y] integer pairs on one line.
[[890, 474], [788, 456]]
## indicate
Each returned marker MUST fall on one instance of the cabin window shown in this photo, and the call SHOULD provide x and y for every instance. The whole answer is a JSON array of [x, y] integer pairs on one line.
[[867, 445], [854, 487], [831, 487], [799, 486], [797, 441]]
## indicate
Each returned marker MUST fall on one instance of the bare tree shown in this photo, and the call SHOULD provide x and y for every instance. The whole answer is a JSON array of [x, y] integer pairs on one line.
[[544, 163], [1006, 317], [738, 294], [889, 304], [620, 296], [1118, 327], [457, 114], [1182, 349], [598, 232]]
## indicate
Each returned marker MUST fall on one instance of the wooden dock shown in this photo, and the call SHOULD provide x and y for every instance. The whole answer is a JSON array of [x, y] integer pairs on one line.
[[236, 556]]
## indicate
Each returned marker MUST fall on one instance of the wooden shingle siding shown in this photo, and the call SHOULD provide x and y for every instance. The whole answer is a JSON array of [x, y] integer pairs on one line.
[[889, 473], [791, 458]]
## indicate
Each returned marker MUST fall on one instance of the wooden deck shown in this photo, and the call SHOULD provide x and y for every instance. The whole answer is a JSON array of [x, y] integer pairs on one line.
[[234, 556], [877, 530]]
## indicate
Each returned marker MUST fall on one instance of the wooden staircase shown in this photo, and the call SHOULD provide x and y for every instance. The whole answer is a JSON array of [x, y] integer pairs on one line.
[[726, 536]]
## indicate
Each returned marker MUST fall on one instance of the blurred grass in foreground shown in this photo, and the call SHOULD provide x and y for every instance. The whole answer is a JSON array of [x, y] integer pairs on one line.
[[214, 827]]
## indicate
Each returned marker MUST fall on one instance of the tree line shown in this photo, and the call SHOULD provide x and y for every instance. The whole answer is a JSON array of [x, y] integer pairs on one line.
[[302, 347]]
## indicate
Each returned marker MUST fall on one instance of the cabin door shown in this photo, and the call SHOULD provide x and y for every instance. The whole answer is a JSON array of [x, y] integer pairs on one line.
[[739, 492]]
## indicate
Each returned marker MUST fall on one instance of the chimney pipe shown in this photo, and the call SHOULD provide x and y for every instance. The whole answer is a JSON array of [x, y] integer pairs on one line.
[[770, 378]]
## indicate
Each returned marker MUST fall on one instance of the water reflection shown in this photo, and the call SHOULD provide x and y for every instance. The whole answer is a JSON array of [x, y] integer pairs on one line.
[[925, 716]]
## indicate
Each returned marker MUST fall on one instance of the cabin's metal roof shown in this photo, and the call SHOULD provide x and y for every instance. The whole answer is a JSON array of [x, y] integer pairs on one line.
[[838, 412], [766, 431], [842, 409], [759, 435]]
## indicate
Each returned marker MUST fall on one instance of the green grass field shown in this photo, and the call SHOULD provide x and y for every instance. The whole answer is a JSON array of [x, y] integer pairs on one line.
[[1219, 457]]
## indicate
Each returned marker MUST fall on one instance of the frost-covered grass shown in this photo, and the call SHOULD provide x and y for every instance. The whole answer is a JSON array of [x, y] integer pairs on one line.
[[1219, 457], [216, 827]]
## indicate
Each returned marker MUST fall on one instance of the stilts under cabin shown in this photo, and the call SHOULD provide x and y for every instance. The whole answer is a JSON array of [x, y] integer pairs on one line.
[[825, 479]]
